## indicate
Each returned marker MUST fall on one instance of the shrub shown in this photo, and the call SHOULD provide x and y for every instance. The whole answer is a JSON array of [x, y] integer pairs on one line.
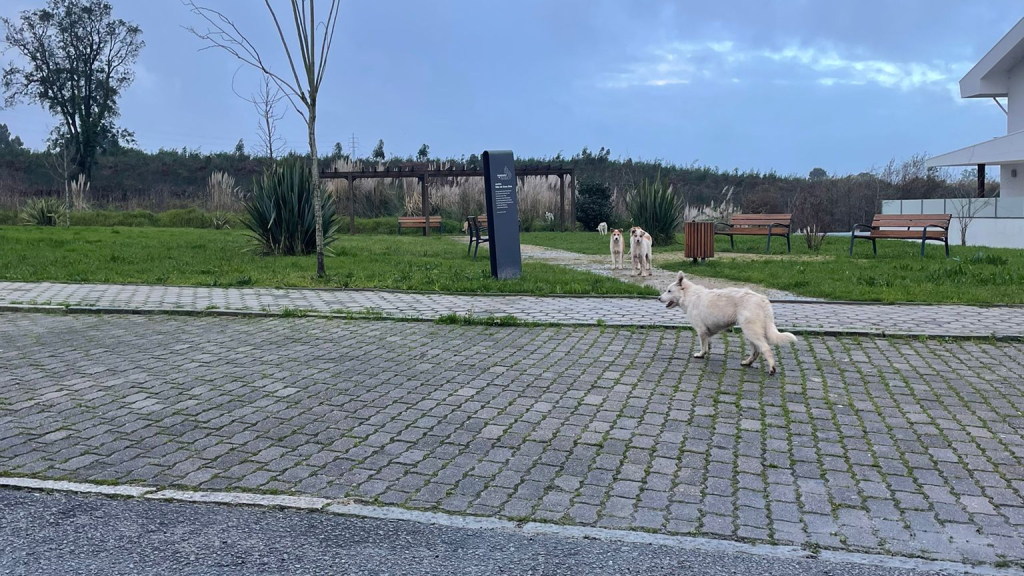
[[8, 217], [44, 212], [655, 208], [114, 218], [280, 211], [593, 204], [221, 220], [186, 218]]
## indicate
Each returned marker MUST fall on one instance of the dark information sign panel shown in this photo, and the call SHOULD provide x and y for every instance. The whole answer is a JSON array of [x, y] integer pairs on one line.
[[502, 214]]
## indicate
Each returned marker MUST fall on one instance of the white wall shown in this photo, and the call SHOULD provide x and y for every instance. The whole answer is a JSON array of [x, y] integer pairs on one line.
[[1015, 100], [1010, 187], [995, 232]]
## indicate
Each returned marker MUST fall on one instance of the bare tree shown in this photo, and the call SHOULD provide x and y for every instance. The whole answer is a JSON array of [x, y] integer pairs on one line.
[[307, 61], [265, 103]]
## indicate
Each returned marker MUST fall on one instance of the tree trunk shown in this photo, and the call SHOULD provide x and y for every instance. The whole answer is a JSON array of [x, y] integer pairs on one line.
[[314, 161]]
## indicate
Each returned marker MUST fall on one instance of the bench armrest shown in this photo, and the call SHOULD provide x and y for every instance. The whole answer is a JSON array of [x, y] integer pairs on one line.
[[924, 229], [867, 227], [779, 224], [726, 225]]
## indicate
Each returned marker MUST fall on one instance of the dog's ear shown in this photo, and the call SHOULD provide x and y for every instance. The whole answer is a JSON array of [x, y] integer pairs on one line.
[[680, 278]]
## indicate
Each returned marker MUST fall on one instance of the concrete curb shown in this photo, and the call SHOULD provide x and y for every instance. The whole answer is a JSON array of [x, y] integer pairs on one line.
[[356, 315], [347, 508], [504, 294]]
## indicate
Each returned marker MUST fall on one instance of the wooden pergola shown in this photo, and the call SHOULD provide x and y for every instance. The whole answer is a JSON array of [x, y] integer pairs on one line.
[[423, 172]]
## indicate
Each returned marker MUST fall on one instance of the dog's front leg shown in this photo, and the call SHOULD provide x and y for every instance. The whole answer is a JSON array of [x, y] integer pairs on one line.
[[704, 340]]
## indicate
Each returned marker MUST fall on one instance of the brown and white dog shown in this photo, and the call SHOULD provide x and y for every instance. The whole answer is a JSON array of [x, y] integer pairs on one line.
[[617, 247], [640, 250], [712, 311]]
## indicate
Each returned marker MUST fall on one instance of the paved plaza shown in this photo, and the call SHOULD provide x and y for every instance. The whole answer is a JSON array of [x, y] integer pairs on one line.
[[874, 319], [908, 447]]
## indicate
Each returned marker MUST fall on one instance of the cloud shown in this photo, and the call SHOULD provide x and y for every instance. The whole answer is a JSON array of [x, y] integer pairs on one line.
[[724, 61]]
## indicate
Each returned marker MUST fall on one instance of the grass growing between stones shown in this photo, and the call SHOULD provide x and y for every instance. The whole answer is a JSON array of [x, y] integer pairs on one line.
[[195, 257], [973, 275]]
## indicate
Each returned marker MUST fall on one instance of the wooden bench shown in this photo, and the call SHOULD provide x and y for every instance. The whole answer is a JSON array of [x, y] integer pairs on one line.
[[419, 222], [756, 225], [904, 227]]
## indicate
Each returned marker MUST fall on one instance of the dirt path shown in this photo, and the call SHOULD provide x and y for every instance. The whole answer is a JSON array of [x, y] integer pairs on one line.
[[659, 278]]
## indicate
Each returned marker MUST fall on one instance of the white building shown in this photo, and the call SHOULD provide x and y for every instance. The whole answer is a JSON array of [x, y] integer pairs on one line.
[[997, 222]]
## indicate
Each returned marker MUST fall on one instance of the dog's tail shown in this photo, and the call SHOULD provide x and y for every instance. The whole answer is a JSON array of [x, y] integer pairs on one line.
[[772, 334]]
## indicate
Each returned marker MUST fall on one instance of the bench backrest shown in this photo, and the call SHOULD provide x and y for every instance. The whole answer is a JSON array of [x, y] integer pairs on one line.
[[760, 219], [434, 220], [910, 220], [476, 224]]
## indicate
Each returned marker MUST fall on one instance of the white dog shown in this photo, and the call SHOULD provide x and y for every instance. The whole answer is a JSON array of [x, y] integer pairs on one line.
[[549, 217], [712, 311], [640, 250], [617, 248], [602, 228]]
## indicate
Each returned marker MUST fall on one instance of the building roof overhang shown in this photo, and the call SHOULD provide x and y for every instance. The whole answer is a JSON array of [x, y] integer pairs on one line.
[[990, 77], [1007, 149]]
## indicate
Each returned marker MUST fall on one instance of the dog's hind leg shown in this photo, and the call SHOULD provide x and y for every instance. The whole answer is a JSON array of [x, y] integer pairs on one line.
[[760, 347], [754, 353]]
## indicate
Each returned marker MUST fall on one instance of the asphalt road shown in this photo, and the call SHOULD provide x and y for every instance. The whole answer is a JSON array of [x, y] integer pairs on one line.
[[73, 534]]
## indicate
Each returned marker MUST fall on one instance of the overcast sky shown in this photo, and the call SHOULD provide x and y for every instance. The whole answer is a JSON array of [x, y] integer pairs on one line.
[[785, 85]]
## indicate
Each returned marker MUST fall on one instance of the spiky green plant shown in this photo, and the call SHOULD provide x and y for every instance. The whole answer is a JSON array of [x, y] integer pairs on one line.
[[655, 208], [280, 211], [44, 212]]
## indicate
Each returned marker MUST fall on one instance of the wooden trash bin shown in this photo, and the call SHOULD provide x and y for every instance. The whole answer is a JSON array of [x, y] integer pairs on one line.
[[699, 238]]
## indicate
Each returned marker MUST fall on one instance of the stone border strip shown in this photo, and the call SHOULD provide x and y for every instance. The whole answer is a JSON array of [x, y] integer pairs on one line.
[[347, 508], [506, 294], [78, 487], [218, 312]]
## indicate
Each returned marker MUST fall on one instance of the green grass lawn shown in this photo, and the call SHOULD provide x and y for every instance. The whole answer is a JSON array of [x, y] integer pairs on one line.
[[898, 274], [200, 257]]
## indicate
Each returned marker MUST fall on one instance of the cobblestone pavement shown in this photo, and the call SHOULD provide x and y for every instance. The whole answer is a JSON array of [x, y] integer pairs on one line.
[[942, 320], [904, 446]]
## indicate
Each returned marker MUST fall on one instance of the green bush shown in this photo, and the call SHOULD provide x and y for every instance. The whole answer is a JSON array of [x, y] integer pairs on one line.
[[186, 218], [655, 208], [133, 218], [44, 212], [8, 217], [593, 204], [280, 212]]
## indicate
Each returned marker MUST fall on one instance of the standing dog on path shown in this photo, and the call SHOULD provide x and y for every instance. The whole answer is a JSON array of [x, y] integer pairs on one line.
[[712, 311], [602, 228], [617, 248], [640, 250]]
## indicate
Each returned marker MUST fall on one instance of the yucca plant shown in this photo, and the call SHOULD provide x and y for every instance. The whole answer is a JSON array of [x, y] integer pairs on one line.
[[221, 220], [280, 212], [655, 208], [44, 212]]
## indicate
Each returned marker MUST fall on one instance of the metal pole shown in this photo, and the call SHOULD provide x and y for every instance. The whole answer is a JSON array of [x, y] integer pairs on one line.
[[561, 197], [351, 205], [425, 196]]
